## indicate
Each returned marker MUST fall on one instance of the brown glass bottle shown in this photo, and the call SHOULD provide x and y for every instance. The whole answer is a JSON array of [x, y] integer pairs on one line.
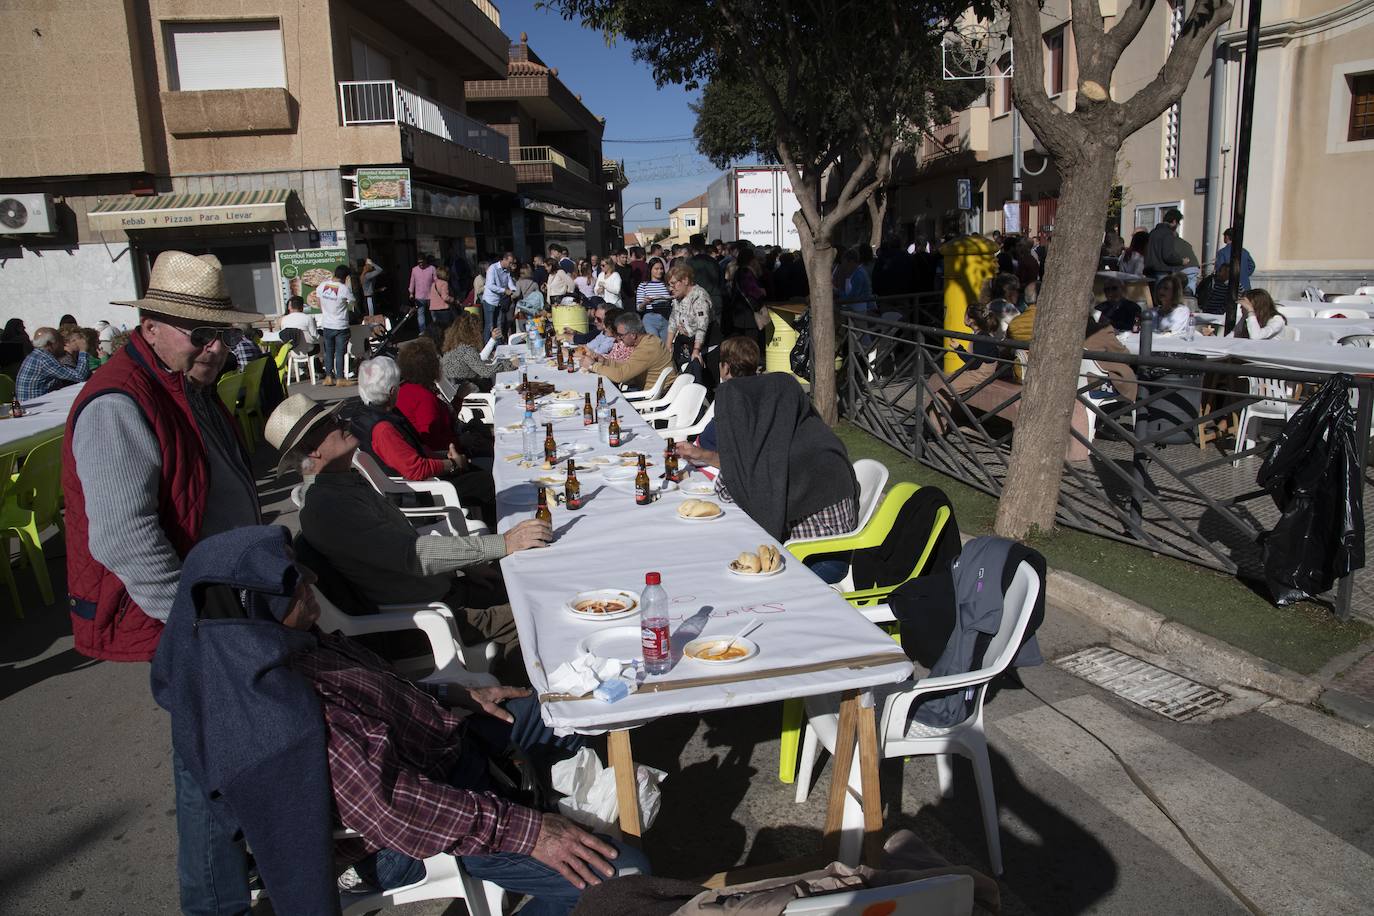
[[572, 490], [541, 512], [16, 409], [550, 446], [529, 392], [559, 351], [670, 461], [588, 415], [613, 431], [600, 392], [548, 345], [643, 494]]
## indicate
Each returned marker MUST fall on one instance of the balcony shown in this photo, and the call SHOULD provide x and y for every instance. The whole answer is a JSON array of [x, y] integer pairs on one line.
[[547, 155], [388, 102]]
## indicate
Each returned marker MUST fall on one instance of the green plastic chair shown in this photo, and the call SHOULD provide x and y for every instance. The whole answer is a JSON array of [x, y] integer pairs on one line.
[[31, 504], [283, 358], [871, 601], [250, 413], [230, 386], [6, 389], [7, 473]]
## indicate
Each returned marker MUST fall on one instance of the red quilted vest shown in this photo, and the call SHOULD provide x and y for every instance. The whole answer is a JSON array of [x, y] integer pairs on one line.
[[106, 622]]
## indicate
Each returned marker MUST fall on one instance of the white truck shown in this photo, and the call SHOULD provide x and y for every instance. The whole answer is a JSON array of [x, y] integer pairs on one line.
[[753, 203]]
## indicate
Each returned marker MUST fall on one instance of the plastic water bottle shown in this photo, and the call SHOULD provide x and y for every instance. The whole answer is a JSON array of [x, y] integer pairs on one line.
[[532, 338], [603, 423], [529, 437], [653, 626]]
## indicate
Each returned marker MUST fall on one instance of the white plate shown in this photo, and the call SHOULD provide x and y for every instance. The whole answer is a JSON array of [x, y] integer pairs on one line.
[[702, 518], [758, 575], [575, 399], [504, 386], [621, 643], [603, 461], [604, 594], [560, 412], [656, 484], [622, 473], [698, 486], [704, 643], [573, 448]]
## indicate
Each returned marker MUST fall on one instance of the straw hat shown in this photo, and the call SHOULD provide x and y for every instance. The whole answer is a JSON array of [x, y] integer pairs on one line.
[[292, 420], [190, 286]]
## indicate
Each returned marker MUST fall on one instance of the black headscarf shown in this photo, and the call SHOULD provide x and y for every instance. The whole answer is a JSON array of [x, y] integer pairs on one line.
[[248, 727], [780, 461]]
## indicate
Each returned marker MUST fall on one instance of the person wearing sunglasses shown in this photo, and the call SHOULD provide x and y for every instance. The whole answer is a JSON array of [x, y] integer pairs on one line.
[[152, 464]]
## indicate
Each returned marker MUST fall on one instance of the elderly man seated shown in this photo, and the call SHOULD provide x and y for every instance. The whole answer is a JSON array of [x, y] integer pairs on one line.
[[601, 337], [389, 436], [372, 543], [42, 371], [291, 731], [648, 357]]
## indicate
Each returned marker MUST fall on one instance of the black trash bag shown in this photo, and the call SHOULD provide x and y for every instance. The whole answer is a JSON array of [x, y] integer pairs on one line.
[[801, 351], [1313, 473]]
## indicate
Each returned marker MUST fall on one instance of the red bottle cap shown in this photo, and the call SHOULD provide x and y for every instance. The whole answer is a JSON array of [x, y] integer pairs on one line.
[[653, 579]]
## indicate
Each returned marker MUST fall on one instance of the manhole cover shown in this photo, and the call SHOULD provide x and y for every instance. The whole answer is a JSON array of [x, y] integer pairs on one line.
[[1142, 683]]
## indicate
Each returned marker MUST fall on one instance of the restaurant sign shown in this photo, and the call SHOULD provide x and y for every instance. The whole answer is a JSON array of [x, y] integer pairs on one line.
[[301, 271], [383, 189]]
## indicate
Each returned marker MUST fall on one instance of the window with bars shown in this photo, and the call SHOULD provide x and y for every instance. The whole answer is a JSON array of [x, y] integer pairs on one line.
[[1361, 106], [1173, 118], [1054, 62]]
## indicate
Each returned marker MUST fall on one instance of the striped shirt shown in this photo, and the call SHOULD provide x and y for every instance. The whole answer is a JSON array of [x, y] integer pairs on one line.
[[391, 748], [651, 291]]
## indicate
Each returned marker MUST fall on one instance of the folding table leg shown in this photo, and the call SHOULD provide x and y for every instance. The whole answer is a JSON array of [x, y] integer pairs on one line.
[[856, 728], [868, 780], [626, 789]]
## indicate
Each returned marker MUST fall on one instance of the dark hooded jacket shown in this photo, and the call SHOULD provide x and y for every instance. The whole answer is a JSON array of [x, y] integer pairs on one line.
[[248, 727]]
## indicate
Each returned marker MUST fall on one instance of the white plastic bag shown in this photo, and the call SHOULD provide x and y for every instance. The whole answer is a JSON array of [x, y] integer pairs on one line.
[[590, 796]]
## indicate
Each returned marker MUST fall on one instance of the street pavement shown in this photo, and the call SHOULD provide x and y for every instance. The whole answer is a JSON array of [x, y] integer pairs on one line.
[[1279, 797]]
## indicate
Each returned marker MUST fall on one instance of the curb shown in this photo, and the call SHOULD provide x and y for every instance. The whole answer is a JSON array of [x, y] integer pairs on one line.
[[1153, 632]]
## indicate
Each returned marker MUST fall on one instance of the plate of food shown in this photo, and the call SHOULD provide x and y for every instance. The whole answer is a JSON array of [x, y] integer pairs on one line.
[[696, 485], [567, 397], [603, 461], [767, 562], [568, 449], [537, 389], [699, 510], [720, 650], [621, 643], [603, 604], [559, 411], [631, 459], [504, 386]]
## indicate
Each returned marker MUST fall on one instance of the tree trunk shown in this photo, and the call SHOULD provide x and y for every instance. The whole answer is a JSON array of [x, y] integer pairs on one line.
[[1042, 435], [819, 258], [877, 216]]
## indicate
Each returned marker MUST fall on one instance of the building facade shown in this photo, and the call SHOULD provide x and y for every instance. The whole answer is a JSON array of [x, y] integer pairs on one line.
[[1313, 135], [687, 219]]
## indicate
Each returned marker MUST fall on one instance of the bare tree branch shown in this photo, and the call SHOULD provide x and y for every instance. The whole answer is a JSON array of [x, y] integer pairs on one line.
[[1168, 85], [1088, 32], [1047, 119], [1126, 27]]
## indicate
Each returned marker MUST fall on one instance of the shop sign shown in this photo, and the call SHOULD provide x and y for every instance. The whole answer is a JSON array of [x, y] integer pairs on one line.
[[446, 204], [384, 189], [301, 271]]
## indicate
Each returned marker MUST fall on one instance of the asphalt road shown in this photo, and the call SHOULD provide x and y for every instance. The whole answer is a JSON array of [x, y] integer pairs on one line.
[[1281, 798]]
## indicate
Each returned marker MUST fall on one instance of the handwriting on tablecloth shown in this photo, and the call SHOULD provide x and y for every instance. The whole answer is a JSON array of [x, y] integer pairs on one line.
[[686, 607]]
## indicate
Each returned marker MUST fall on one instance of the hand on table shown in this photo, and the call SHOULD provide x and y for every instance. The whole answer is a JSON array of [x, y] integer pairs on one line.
[[529, 533], [573, 852], [488, 699]]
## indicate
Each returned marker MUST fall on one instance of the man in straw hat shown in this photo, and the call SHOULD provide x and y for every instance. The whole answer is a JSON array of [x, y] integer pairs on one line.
[[374, 546], [152, 464]]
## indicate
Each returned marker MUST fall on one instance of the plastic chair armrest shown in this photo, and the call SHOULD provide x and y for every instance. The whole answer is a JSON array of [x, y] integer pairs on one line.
[[437, 627], [441, 488], [899, 705], [803, 548]]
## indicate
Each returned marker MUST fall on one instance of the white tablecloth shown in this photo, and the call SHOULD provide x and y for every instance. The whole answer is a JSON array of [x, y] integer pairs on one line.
[[1275, 353], [612, 542], [43, 418]]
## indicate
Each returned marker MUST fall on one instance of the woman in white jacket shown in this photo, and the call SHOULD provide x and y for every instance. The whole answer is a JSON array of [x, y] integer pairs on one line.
[[608, 283], [1263, 320]]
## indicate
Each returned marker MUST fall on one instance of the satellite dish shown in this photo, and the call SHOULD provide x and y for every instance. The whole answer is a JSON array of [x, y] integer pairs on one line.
[[13, 213]]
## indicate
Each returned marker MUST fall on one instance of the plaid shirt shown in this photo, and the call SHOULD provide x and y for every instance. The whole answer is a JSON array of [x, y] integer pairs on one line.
[[391, 747], [832, 521], [246, 350], [41, 373]]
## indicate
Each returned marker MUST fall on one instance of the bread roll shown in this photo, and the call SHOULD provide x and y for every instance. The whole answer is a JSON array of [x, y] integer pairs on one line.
[[769, 560], [698, 508], [747, 563]]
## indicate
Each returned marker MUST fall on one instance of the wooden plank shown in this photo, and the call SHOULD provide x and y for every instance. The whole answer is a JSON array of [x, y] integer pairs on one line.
[[868, 783], [627, 793], [839, 774]]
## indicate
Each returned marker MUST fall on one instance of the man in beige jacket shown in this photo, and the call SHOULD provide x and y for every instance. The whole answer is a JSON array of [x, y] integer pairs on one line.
[[648, 360]]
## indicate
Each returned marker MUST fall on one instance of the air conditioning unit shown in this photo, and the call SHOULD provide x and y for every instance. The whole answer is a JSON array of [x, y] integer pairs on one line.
[[27, 214]]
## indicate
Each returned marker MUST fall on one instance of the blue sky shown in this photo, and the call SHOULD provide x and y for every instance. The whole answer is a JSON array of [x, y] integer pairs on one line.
[[621, 90]]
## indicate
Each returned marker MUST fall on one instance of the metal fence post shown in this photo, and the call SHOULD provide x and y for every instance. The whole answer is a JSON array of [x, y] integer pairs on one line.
[[919, 440], [1363, 420]]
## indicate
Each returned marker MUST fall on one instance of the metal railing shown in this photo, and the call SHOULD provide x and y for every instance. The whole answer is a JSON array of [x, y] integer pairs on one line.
[[536, 155], [389, 102], [1146, 466]]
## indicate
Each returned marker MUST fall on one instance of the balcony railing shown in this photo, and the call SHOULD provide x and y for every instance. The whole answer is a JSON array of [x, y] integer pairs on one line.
[[490, 10], [388, 102], [539, 154]]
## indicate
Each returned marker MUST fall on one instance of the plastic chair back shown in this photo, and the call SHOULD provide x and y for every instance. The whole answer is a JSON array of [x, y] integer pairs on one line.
[[1357, 340], [283, 354], [872, 477], [685, 408], [229, 387], [252, 385], [940, 895], [1297, 311], [372, 472], [1346, 312], [1357, 299], [6, 389], [679, 383], [39, 485], [1020, 600]]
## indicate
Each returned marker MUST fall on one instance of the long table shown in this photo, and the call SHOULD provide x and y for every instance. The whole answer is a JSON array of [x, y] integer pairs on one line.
[[811, 640], [43, 418], [1317, 357]]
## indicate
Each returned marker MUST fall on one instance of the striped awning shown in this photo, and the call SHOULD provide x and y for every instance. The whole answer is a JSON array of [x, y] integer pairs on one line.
[[177, 211]]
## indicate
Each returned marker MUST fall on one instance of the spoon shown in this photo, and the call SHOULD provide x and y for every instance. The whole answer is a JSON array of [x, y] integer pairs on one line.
[[744, 631]]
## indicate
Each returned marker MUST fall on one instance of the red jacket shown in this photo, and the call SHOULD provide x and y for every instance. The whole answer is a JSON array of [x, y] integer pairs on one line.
[[105, 621]]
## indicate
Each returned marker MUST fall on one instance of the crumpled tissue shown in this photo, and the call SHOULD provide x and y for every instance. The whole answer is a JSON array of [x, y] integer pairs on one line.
[[585, 673], [591, 797]]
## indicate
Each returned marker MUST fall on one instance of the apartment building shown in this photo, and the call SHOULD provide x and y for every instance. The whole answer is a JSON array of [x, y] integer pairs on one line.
[[1313, 139], [687, 219], [566, 191], [233, 129]]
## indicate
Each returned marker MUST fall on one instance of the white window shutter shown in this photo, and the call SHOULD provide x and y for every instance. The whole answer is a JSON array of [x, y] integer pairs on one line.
[[226, 55]]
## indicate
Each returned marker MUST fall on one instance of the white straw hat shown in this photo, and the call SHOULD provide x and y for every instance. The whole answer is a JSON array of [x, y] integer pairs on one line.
[[292, 420], [190, 286]]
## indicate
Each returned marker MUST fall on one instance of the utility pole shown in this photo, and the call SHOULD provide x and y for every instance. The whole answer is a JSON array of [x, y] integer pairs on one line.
[[1239, 194]]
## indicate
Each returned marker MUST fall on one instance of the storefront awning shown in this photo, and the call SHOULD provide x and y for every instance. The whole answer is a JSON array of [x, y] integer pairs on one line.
[[178, 211]]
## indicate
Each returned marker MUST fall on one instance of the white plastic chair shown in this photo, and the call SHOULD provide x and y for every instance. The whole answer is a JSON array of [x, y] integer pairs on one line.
[[1347, 312], [1313, 294], [682, 433], [679, 383], [445, 879], [1353, 299], [901, 736], [1365, 291], [872, 478], [684, 409], [1092, 369], [648, 393], [1357, 340], [939, 895], [1297, 311], [1275, 405], [441, 490]]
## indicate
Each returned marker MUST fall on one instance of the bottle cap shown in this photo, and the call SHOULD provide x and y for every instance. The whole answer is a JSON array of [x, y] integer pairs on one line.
[[653, 578]]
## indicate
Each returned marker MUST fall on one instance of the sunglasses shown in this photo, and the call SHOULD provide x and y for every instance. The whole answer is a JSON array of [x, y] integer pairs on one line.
[[203, 337]]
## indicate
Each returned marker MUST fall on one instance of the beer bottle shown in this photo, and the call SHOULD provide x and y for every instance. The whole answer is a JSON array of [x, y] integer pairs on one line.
[[613, 431], [542, 513], [550, 446], [643, 494], [559, 351], [529, 392], [548, 344], [588, 415], [16, 409], [572, 490], [600, 391], [670, 461]]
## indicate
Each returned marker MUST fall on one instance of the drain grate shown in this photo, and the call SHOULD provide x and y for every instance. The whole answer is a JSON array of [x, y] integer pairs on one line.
[[1144, 684]]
